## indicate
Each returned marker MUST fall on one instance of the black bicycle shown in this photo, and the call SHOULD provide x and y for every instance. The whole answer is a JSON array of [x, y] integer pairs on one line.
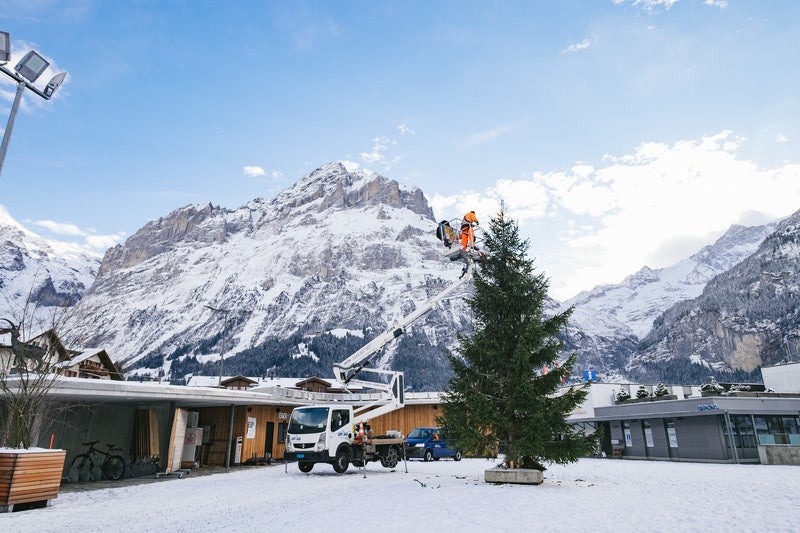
[[112, 465]]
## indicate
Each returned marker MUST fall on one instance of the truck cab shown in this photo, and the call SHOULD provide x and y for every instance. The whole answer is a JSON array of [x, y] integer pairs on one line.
[[330, 434]]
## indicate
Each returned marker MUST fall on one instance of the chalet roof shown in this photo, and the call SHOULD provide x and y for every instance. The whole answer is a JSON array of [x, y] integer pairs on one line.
[[234, 379], [314, 379]]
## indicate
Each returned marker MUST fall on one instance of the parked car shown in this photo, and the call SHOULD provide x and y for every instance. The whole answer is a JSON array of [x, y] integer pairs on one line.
[[429, 444]]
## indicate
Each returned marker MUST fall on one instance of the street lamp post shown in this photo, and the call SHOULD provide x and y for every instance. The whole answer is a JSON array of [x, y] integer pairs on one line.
[[24, 74], [224, 331]]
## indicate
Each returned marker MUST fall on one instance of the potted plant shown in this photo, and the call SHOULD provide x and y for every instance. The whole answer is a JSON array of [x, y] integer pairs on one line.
[[502, 399], [29, 476], [623, 395], [712, 388]]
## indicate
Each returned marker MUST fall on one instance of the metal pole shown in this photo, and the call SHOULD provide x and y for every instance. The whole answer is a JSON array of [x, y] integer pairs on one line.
[[10, 125], [224, 332], [222, 353]]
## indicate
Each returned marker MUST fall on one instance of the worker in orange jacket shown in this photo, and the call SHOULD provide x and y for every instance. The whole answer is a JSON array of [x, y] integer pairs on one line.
[[467, 231]]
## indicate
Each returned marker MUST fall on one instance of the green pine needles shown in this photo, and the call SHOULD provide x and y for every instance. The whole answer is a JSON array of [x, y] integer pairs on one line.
[[502, 399]]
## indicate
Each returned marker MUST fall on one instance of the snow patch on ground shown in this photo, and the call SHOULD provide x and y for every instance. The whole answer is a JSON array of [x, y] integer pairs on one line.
[[445, 496]]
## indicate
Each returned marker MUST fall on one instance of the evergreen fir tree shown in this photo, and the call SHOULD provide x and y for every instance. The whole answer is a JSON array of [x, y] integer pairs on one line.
[[501, 397]]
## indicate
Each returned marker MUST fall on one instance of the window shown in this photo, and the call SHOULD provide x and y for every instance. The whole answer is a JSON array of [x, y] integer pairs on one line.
[[340, 418], [743, 432]]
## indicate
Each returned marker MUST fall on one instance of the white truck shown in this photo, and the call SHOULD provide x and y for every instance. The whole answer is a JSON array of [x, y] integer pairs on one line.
[[338, 433]]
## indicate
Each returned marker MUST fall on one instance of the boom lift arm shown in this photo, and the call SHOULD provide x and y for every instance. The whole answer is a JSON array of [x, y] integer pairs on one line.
[[392, 397]]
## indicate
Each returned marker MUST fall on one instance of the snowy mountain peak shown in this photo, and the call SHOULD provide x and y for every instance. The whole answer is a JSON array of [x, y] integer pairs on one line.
[[333, 186]]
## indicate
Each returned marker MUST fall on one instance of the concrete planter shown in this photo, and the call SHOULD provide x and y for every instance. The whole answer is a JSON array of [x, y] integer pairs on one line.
[[527, 476], [30, 477]]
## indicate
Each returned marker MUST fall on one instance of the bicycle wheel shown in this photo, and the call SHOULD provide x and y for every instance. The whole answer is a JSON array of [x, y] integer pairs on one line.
[[80, 468], [114, 467]]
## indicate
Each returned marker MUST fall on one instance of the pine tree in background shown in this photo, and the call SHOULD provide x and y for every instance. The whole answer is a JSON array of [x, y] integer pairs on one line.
[[502, 398]]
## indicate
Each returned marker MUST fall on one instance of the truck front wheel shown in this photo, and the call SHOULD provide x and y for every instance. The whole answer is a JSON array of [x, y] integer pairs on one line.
[[305, 467], [341, 462]]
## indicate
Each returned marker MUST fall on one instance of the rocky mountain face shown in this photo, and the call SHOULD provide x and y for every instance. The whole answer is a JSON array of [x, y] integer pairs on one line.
[[286, 286], [39, 277], [745, 317], [609, 321]]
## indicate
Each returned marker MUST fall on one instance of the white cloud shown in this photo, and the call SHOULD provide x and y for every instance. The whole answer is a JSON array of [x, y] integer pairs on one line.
[[104, 242], [486, 136], [253, 171], [649, 5], [652, 207], [405, 130], [378, 154], [277, 174], [722, 4], [91, 240], [782, 139], [60, 228], [574, 48]]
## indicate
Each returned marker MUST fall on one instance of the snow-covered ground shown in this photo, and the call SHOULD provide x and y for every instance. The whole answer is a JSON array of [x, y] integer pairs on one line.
[[443, 496]]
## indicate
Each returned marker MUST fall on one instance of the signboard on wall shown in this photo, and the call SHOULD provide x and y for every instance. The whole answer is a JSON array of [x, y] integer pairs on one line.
[[628, 439], [673, 437], [648, 437], [251, 427]]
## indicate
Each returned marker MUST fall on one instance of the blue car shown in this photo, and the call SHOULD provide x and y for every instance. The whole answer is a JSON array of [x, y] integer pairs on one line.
[[429, 444]]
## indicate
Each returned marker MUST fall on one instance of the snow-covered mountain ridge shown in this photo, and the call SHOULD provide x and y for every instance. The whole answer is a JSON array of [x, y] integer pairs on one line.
[[40, 277], [293, 283], [746, 317], [638, 300]]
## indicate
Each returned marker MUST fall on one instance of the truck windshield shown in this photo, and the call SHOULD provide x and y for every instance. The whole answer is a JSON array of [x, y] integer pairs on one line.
[[311, 420]]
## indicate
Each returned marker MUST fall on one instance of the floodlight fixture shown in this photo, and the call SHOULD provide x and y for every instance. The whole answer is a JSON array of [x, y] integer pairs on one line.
[[32, 66], [54, 84], [5, 46]]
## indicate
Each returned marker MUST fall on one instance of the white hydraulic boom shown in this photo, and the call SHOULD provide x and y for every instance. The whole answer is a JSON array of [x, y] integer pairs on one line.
[[345, 372]]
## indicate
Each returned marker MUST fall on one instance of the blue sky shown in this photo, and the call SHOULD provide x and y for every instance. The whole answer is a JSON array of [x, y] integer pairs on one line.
[[620, 133]]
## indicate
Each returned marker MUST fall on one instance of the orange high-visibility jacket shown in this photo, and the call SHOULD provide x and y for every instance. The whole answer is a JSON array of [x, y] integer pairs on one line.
[[467, 234]]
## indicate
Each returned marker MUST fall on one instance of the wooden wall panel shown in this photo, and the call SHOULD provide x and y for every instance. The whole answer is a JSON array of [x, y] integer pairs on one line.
[[406, 419]]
